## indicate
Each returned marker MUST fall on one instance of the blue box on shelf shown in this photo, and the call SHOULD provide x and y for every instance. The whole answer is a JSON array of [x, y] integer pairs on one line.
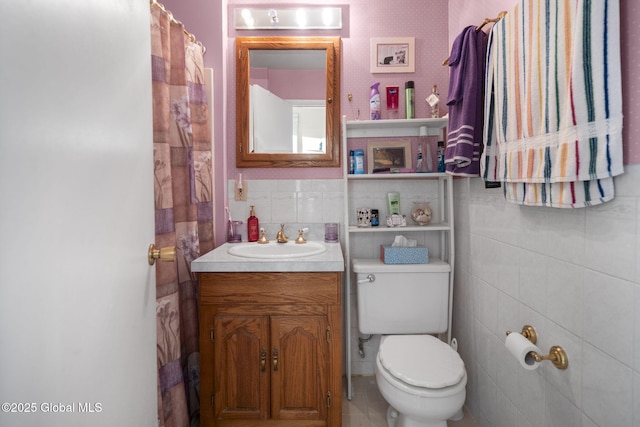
[[404, 255]]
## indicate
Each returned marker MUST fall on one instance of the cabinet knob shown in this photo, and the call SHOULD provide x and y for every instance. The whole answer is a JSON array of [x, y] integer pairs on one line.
[[275, 359], [263, 359]]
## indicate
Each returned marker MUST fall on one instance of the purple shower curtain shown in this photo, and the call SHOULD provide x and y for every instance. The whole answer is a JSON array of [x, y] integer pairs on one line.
[[183, 210]]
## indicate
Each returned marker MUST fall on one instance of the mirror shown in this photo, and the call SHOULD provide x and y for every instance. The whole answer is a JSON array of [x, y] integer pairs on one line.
[[288, 101]]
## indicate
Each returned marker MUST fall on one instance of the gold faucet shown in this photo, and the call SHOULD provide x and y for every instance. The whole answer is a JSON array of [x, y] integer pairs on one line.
[[280, 237], [300, 238], [263, 237]]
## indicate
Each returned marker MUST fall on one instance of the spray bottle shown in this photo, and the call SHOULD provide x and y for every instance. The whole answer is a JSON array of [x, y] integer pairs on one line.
[[374, 102]]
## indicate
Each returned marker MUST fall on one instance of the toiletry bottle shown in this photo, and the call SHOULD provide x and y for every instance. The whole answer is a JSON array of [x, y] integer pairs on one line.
[[393, 199], [410, 100], [358, 162], [352, 162], [392, 101], [434, 102], [253, 227], [374, 102], [375, 217], [440, 152], [424, 152]]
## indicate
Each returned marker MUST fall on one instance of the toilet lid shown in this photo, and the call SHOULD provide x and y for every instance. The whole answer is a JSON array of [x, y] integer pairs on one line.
[[421, 360]]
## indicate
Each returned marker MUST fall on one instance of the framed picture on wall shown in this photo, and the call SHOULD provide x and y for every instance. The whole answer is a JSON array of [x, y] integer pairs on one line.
[[393, 55], [388, 156]]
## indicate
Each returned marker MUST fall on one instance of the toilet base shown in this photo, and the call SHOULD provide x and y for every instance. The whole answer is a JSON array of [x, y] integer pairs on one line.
[[411, 407], [395, 419], [458, 416]]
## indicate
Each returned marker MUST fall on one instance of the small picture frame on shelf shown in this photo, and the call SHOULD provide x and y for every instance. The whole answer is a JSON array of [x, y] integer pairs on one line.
[[388, 156], [393, 55]]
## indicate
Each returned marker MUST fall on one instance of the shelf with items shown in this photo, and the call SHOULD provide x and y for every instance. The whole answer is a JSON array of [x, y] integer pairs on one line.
[[393, 127], [442, 226], [378, 176], [372, 194], [370, 190]]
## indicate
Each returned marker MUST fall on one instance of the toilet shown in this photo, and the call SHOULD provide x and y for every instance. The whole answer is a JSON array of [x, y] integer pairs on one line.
[[421, 377]]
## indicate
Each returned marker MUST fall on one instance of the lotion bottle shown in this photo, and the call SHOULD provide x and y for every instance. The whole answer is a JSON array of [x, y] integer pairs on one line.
[[253, 227], [374, 102]]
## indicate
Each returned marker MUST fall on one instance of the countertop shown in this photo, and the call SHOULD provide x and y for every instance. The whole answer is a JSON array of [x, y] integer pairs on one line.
[[218, 260]]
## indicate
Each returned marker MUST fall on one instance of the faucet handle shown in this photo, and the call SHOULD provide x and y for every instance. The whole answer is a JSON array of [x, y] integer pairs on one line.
[[281, 237], [300, 238]]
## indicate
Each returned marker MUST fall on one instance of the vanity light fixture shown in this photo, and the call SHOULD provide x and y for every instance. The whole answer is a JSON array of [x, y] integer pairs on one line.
[[301, 18], [288, 18], [273, 17], [247, 18]]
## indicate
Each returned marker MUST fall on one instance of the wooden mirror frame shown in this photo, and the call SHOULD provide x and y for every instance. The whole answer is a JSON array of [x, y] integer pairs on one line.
[[245, 159]]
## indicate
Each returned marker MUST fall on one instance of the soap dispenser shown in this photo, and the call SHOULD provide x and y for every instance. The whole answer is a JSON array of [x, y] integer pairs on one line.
[[253, 228]]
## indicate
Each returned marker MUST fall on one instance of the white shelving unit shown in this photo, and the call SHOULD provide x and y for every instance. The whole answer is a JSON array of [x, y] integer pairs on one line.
[[370, 190]]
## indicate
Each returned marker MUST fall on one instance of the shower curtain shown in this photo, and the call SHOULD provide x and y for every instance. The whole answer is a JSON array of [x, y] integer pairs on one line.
[[183, 210]]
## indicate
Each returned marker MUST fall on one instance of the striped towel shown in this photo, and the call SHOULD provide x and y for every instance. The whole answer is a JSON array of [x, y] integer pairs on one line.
[[553, 110]]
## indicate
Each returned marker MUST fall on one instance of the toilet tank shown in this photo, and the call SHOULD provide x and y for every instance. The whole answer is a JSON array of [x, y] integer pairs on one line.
[[402, 298]]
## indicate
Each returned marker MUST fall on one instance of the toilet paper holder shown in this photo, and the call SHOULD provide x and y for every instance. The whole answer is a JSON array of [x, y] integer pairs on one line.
[[529, 333], [556, 355]]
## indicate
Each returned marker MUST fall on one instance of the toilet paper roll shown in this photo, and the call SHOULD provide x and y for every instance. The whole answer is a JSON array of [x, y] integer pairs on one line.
[[520, 347]]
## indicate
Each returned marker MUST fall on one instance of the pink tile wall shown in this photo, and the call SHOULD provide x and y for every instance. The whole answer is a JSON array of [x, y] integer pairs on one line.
[[466, 12]]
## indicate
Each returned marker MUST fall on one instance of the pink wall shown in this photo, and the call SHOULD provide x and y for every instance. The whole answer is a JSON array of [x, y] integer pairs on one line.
[[434, 24], [424, 20]]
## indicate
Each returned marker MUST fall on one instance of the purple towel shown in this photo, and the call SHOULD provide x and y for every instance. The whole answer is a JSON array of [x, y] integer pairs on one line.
[[466, 101]]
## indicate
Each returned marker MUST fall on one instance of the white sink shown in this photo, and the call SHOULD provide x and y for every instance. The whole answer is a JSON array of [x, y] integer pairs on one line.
[[274, 250]]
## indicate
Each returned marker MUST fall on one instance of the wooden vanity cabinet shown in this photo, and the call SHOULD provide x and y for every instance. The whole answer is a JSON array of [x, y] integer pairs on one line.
[[271, 349]]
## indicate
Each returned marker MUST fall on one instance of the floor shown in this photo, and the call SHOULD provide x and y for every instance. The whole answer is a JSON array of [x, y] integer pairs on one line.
[[367, 408]]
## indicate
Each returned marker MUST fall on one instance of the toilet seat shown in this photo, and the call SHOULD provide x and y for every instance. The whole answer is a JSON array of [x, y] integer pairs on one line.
[[421, 361]]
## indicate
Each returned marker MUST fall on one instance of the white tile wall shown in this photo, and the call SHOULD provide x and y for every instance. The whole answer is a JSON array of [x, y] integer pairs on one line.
[[296, 203], [572, 274]]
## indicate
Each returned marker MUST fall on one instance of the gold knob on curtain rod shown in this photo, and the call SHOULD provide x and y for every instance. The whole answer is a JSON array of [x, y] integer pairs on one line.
[[167, 254]]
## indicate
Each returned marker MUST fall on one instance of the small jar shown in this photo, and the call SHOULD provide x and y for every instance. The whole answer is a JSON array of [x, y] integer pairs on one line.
[[375, 218], [421, 213]]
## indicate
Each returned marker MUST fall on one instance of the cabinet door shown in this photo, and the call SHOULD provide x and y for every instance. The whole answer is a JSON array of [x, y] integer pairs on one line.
[[299, 378], [241, 367]]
